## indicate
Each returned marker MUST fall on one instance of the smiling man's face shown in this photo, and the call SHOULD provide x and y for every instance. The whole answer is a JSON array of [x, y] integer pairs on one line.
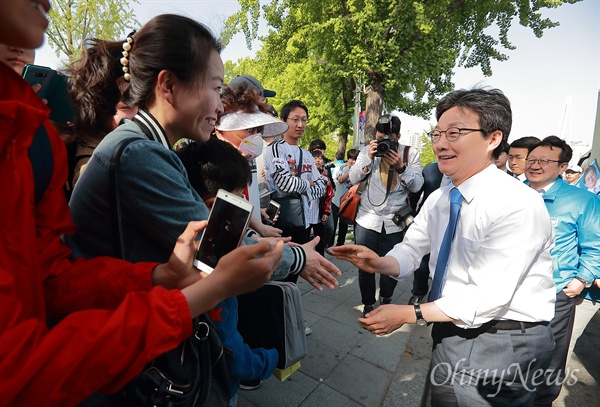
[[471, 152]]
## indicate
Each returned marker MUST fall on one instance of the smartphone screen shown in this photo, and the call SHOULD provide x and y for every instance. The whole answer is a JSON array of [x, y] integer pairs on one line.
[[53, 89], [273, 210], [227, 223]]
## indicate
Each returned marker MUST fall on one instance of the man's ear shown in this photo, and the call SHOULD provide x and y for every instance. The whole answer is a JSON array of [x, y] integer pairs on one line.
[[563, 167], [165, 84], [495, 139]]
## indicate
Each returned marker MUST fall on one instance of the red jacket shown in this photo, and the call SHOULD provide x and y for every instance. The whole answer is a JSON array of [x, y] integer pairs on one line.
[[114, 321]]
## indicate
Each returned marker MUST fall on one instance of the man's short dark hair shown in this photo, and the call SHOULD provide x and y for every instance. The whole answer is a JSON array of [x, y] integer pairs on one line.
[[525, 142], [318, 143], [566, 152], [352, 153], [389, 123], [491, 106], [291, 105]]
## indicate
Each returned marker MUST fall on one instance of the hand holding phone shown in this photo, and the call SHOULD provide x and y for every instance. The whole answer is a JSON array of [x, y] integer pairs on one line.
[[52, 88], [224, 231], [272, 212]]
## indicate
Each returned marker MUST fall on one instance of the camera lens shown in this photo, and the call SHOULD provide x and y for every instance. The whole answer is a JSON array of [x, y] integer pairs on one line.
[[382, 149]]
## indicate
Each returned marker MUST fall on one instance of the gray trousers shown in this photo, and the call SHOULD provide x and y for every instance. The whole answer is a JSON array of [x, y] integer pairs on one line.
[[474, 367]]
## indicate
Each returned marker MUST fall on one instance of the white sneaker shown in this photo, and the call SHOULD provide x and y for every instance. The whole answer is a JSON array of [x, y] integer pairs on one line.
[[307, 331]]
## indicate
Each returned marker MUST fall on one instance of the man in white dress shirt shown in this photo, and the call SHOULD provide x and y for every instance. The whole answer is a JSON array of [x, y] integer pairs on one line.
[[491, 336]]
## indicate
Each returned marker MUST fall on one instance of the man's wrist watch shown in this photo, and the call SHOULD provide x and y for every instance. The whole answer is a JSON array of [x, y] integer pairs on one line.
[[586, 284], [401, 170], [420, 320]]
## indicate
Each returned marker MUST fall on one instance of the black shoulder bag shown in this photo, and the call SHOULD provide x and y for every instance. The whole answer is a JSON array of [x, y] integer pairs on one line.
[[291, 211], [197, 372]]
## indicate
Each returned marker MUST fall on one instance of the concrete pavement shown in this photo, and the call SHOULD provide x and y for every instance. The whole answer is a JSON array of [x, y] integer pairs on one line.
[[347, 366]]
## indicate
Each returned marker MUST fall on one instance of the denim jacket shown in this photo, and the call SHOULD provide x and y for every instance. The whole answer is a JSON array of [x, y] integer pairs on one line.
[[157, 201]]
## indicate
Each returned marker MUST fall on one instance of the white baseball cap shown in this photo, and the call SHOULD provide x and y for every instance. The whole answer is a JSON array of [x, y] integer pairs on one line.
[[575, 168], [243, 120]]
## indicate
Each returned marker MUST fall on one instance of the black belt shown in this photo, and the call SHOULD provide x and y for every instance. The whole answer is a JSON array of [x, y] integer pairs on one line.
[[509, 325], [446, 329]]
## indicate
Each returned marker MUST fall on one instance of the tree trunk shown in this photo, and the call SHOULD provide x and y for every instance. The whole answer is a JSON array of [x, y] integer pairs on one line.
[[344, 131], [374, 102], [342, 142]]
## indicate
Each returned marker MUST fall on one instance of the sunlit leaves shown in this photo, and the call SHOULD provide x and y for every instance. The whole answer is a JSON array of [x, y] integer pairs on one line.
[[317, 50], [73, 21]]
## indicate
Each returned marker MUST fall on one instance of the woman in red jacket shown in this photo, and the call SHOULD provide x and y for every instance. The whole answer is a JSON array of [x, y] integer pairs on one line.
[[101, 300]]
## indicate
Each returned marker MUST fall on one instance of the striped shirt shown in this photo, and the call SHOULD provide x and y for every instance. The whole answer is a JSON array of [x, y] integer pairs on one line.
[[281, 171]]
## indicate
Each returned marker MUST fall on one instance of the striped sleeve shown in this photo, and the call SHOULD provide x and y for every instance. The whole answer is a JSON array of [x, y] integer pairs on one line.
[[284, 181]]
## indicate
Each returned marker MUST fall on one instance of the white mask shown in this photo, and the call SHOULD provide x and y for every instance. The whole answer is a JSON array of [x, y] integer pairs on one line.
[[252, 146]]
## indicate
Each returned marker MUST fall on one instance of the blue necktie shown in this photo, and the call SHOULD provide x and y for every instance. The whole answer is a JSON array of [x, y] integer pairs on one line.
[[444, 254]]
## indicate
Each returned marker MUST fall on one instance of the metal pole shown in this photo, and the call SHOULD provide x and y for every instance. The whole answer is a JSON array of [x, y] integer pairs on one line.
[[356, 115]]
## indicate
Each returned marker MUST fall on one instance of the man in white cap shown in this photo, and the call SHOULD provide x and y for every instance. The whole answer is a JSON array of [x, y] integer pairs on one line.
[[572, 174]]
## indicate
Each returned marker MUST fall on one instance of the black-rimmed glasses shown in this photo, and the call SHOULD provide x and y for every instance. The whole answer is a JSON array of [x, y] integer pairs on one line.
[[452, 134], [530, 161]]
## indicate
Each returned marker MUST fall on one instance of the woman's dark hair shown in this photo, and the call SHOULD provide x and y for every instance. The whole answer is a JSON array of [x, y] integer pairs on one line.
[[241, 99], [96, 81], [214, 164], [167, 42]]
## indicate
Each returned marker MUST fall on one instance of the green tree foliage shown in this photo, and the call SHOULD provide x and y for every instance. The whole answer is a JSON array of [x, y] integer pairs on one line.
[[73, 21], [427, 154], [403, 52]]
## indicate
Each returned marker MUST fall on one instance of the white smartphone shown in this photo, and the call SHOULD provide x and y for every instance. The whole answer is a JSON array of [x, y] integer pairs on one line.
[[272, 211], [226, 226]]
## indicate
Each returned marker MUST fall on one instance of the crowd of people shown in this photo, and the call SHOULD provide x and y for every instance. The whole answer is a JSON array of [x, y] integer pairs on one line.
[[70, 292]]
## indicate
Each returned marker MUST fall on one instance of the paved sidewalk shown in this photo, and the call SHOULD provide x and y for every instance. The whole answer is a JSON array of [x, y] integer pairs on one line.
[[347, 366]]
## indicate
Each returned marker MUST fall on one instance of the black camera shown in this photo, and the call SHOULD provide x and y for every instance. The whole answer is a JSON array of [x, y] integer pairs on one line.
[[386, 144], [404, 217], [329, 165]]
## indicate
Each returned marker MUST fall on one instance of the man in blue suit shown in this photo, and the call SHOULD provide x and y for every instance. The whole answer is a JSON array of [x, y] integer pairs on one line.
[[575, 214]]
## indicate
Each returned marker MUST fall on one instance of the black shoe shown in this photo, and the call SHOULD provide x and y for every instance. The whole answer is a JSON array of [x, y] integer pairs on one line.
[[385, 300], [416, 299], [249, 384], [366, 310]]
